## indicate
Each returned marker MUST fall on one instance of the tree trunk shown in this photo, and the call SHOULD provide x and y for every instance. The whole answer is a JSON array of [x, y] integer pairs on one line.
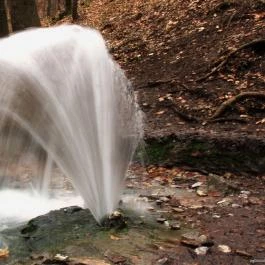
[[49, 7], [75, 11], [68, 6], [24, 14], [3, 19]]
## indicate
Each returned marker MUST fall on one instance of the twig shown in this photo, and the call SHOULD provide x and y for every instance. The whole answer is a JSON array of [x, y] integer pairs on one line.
[[233, 100], [228, 56]]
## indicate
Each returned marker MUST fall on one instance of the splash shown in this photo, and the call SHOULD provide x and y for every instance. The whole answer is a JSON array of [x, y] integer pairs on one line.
[[64, 100]]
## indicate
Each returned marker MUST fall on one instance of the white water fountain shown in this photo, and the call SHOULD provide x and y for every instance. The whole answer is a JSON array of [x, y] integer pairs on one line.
[[64, 99]]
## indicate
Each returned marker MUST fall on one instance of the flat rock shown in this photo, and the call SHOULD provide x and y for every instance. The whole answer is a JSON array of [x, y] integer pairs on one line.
[[193, 239], [224, 248]]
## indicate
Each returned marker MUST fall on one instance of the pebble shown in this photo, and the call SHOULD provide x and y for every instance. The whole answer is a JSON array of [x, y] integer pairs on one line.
[[201, 251], [159, 202], [162, 261], [224, 248], [196, 185], [235, 205], [174, 226], [225, 202], [217, 216], [178, 210], [161, 220], [202, 192], [60, 257]]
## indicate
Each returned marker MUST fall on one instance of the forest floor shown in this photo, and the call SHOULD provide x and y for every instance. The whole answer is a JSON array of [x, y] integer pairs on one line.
[[187, 58], [197, 67]]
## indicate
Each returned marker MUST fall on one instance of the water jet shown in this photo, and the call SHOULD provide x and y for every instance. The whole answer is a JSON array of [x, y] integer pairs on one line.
[[65, 104]]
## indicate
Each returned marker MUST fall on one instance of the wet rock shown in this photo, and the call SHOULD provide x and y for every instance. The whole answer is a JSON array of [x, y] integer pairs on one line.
[[161, 220], [159, 202], [201, 251], [224, 248], [115, 220], [174, 225], [193, 239], [72, 209]]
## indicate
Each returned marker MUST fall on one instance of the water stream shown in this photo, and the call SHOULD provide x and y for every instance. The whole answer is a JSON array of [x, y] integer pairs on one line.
[[64, 103]]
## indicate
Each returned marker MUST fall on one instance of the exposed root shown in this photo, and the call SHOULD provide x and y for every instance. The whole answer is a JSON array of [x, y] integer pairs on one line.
[[223, 60], [225, 105]]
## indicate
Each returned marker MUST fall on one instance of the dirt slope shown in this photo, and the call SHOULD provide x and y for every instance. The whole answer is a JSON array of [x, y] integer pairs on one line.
[[165, 46]]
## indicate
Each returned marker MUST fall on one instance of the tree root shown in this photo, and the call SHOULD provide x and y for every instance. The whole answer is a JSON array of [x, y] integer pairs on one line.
[[223, 60], [225, 105], [216, 117], [184, 116]]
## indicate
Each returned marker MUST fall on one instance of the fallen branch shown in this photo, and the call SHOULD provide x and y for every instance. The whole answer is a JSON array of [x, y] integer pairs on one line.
[[225, 59], [225, 105]]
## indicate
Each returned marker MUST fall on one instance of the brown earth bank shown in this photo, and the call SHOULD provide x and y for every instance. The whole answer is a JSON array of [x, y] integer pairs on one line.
[[197, 67]]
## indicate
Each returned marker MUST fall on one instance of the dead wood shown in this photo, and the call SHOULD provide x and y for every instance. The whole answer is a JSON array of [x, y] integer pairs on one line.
[[223, 60]]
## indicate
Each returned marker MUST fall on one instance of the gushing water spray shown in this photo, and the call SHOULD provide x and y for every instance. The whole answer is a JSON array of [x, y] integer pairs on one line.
[[61, 92]]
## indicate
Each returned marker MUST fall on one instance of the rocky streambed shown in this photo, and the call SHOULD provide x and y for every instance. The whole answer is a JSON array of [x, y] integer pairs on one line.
[[173, 216]]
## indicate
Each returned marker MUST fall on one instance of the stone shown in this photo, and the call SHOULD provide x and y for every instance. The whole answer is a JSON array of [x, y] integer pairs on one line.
[[174, 226], [224, 248], [235, 205], [162, 261], [225, 202], [196, 185], [201, 251], [193, 239], [159, 202], [161, 220], [60, 257], [178, 210], [202, 191]]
